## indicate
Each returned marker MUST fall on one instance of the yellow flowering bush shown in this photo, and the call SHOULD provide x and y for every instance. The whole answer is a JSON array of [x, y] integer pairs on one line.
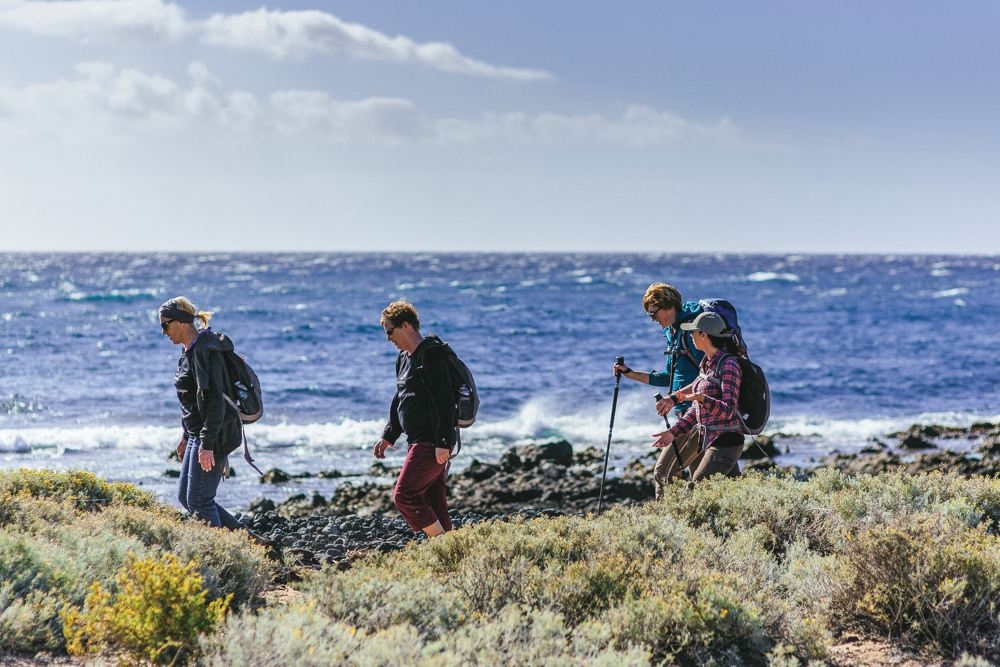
[[155, 612]]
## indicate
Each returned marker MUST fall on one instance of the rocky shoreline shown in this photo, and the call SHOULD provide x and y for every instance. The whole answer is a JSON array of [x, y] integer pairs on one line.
[[551, 480]]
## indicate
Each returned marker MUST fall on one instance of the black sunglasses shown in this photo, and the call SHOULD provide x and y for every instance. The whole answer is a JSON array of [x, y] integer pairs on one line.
[[388, 332], [652, 313], [166, 325]]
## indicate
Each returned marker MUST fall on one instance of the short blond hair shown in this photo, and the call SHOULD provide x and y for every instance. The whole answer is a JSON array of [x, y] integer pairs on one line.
[[399, 312], [183, 303], [662, 295]]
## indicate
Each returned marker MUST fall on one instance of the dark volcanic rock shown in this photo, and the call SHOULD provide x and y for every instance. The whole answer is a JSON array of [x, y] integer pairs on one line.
[[761, 447], [915, 442], [917, 455], [275, 476], [991, 446]]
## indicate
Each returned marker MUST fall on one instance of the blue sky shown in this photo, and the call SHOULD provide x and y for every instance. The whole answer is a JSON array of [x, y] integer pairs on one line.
[[508, 126]]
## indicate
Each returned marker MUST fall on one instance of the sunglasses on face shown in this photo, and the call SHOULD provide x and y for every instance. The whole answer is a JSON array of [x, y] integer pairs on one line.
[[388, 332], [166, 325], [652, 313]]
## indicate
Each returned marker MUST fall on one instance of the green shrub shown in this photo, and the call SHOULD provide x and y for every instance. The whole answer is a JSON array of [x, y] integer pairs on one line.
[[303, 635], [29, 622], [229, 563], [384, 592], [928, 577], [643, 571], [524, 636], [53, 550], [297, 634], [791, 511], [85, 489], [156, 611]]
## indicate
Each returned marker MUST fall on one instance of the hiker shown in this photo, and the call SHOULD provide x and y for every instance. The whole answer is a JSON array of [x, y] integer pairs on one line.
[[211, 429], [665, 306], [715, 397], [424, 409]]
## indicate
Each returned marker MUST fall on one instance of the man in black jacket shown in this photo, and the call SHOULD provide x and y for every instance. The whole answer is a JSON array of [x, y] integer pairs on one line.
[[424, 409]]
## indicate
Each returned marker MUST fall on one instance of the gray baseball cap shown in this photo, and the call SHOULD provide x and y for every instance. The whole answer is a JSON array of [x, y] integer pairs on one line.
[[708, 322]]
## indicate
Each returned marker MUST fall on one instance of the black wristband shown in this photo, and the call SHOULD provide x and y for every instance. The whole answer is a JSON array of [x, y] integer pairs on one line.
[[673, 397]]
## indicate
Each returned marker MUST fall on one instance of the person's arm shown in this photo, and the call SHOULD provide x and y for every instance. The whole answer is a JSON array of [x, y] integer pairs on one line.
[[211, 404], [658, 378], [685, 424], [437, 380], [393, 429]]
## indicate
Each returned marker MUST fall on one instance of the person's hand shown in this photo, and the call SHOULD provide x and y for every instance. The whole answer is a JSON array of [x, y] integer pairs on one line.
[[442, 454], [181, 446], [663, 439], [381, 446], [621, 369], [693, 397], [207, 459], [664, 406]]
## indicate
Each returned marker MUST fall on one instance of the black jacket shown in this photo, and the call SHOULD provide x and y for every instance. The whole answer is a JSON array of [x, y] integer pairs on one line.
[[200, 378], [424, 404]]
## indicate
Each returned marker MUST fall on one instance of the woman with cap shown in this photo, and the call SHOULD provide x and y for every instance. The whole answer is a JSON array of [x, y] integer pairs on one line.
[[211, 430], [714, 397]]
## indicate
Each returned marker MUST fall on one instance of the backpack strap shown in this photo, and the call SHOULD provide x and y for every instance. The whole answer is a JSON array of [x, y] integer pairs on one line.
[[683, 348], [246, 445]]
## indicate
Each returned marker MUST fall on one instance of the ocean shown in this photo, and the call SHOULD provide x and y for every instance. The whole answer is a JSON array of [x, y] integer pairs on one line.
[[854, 347]]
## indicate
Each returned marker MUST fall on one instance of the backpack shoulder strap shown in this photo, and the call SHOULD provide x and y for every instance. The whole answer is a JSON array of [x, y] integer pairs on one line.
[[686, 349], [715, 376]]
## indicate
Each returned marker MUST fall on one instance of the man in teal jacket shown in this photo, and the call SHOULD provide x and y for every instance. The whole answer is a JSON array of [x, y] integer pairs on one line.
[[665, 306]]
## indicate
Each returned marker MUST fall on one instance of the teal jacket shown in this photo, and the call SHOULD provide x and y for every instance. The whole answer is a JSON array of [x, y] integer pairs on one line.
[[688, 356]]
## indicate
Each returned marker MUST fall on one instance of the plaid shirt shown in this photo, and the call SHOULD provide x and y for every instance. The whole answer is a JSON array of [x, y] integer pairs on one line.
[[718, 413]]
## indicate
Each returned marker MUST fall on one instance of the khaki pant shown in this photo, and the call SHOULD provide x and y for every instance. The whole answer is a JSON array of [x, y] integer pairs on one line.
[[721, 458], [666, 465]]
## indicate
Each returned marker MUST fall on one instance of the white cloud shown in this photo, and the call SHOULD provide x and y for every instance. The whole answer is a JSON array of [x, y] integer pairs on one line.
[[97, 20], [104, 101], [298, 34], [376, 119], [638, 126], [107, 103], [278, 34], [100, 100]]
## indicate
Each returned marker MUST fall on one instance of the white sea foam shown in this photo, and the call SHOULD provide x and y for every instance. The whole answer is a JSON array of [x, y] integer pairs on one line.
[[139, 453], [948, 293], [766, 276]]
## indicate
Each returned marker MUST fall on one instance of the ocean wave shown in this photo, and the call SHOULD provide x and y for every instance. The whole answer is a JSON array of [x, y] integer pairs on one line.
[[948, 293], [20, 405], [115, 295], [541, 418], [768, 276]]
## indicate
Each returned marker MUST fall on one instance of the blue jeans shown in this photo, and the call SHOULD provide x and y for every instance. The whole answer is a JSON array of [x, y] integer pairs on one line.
[[196, 489]]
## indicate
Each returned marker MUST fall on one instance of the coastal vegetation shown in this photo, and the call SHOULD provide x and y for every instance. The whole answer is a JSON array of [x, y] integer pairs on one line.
[[767, 569], [88, 565]]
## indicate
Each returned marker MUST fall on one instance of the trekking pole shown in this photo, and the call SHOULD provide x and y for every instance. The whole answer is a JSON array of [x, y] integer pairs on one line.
[[620, 361], [677, 454]]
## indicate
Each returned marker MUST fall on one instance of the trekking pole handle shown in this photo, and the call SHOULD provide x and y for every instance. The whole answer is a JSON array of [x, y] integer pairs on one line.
[[659, 397], [619, 361]]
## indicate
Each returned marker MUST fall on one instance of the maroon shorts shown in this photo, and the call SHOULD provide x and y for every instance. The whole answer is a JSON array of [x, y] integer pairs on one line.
[[420, 491]]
